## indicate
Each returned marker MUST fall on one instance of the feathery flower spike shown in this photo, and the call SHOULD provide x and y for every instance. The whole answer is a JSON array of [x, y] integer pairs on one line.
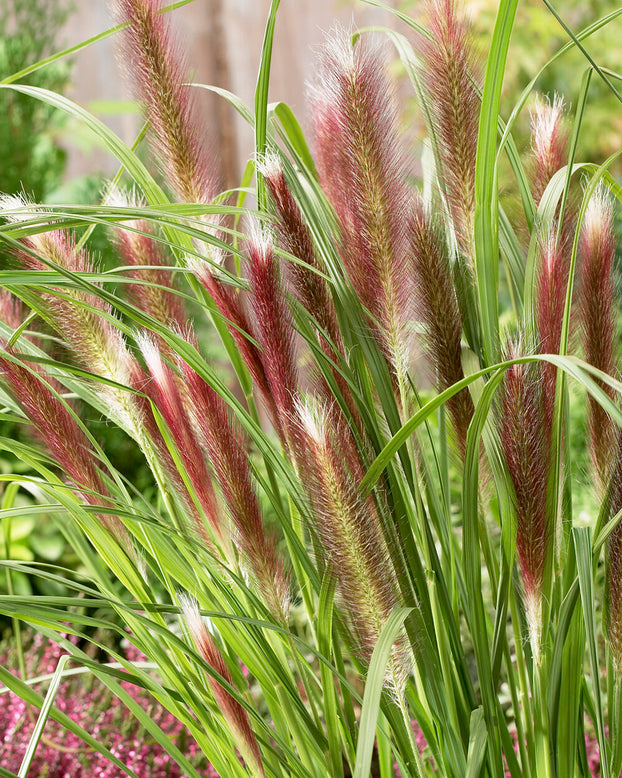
[[221, 438], [61, 434], [349, 530], [550, 298], [549, 142], [525, 442], [234, 714], [363, 173], [273, 328], [84, 319], [159, 72], [449, 72], [164, 391], [597, 250], [146, 255], [230, 306], [309, 287], [439, 310]]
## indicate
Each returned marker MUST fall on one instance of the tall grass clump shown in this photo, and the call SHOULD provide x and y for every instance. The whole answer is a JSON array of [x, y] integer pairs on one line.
[[359, 394]]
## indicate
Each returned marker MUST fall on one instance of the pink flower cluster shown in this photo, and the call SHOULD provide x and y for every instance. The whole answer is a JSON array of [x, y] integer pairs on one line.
[[62, 754]]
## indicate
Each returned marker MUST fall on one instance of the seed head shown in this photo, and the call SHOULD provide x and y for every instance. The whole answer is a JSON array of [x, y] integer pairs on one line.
[[525, 441], [164, 391], [597, 316], [159, 71], [146, 255], [449, 75], [437, 306], [234, 714], [349, 530], [57, 428], [273, 328], [551, 284], [229, 303], [226, 448], [549, 141], [363, 173]]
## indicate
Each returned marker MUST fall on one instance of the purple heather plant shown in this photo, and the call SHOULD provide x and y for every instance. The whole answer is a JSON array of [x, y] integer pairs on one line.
[[61, 754]]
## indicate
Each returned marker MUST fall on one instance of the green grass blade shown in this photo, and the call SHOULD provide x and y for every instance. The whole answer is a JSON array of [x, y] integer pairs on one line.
[[476, 615], [373, 691], [403, 17], [44, 714], [576, 41], [486, 196], [331, 712], [295, 137], [261, 99], [233, 100], [477, 744], [582, 537]]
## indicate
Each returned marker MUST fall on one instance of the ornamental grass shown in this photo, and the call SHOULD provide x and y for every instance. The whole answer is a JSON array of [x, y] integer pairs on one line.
[[376, 392]]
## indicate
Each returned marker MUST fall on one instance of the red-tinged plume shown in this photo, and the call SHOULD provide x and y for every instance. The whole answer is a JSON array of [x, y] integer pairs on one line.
[[234, 714], [159, 71], [273, 329], [308, 286], [551, 283], [164, 391], [83, 319], [349, 530], [228, 301], [226, 449], [363, 172], [613, 560], [62, 436], [439, 311], [525, 441], [140, 249], [449, 76], [549, 142], [295, 237], [597, 315]]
